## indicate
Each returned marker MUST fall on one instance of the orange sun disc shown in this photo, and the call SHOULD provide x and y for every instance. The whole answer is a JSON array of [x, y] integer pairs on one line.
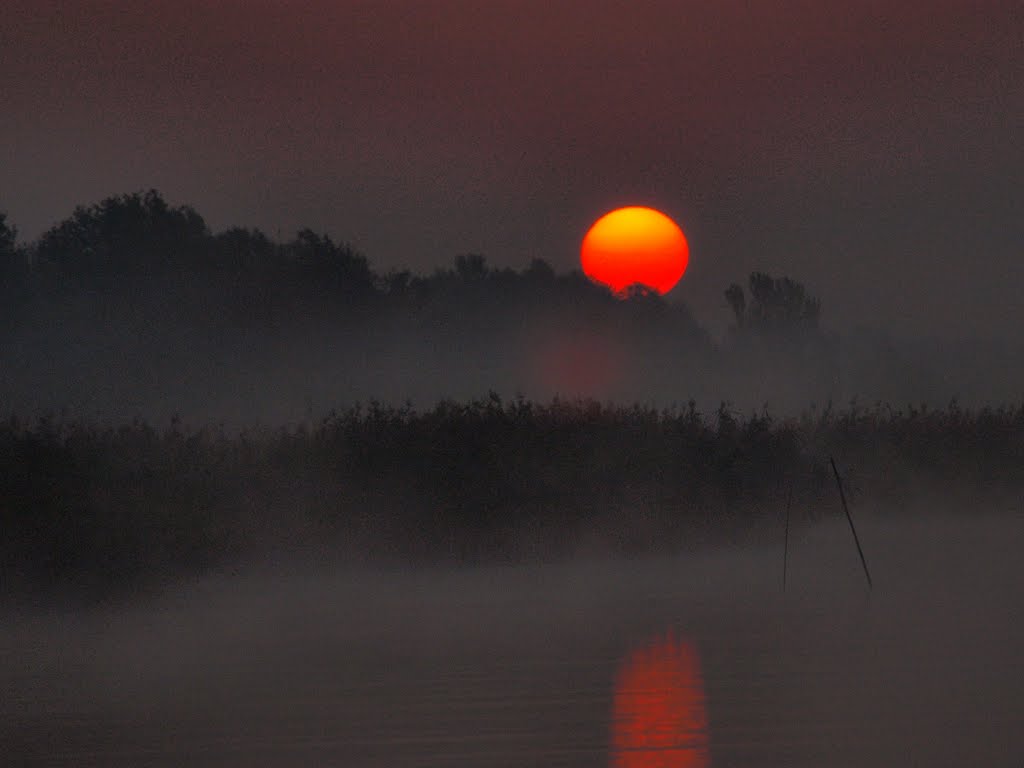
[[635, 245]]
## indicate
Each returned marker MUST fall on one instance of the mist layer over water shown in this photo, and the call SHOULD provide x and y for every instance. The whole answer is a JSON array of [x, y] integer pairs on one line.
[[519, 665]]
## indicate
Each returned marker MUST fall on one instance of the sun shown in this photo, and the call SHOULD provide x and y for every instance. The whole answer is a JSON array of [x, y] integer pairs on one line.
[[635, 245]]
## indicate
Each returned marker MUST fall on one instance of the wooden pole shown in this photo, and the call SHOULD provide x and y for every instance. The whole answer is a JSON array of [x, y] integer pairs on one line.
[[849, 519], [785, 546]]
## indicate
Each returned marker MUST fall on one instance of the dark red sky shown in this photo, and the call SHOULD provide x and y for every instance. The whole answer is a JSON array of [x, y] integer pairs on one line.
[[869, 149]]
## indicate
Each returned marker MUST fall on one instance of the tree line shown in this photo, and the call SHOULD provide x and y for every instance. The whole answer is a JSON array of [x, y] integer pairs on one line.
[[135, 241]]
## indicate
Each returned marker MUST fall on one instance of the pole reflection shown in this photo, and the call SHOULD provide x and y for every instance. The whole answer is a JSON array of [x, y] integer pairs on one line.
[[659, 718]]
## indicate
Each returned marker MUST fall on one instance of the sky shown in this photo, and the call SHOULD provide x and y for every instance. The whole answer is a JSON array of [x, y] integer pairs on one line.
[[869, 149]]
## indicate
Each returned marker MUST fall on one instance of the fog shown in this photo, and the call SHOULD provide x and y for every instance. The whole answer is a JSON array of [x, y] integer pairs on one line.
[[263, 506], [157, 356], [133, 308], [289, 663]]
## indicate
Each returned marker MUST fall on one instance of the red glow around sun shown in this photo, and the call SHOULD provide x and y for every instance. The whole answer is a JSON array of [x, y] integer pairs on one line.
[[635, 245], [659, 718]]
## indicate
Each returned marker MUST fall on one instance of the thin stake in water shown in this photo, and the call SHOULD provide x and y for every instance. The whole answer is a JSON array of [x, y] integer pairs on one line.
[[846, 509], [785, 546]]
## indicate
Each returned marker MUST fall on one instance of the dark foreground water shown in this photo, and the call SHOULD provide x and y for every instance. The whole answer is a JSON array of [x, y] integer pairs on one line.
[[689, 661]]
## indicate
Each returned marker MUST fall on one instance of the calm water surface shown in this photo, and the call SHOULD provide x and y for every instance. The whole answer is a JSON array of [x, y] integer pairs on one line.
[[689, 661]]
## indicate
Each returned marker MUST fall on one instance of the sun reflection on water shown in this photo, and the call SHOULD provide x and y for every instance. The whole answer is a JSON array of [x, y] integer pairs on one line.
[[659, 718]]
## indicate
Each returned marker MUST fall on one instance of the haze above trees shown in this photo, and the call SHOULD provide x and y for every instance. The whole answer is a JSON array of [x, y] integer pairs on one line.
[[134, 307]]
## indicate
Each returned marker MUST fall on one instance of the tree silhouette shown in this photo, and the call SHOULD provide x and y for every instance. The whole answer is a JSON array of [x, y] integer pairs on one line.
[[126, 234], [778, 306], [10, 256], [240, 250], [737, 302], [540, 271], [151, 276], [8, 235], [332, 268], [470, 267]]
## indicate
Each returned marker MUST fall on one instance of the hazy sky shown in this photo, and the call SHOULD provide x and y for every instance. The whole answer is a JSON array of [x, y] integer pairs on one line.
[[869, 149]]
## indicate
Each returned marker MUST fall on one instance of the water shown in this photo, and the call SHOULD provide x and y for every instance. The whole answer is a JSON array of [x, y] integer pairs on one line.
[[698, 660]]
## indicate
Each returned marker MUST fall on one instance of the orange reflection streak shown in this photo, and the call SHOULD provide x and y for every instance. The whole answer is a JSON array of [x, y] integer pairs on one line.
[[659, 718], [571, 363]]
